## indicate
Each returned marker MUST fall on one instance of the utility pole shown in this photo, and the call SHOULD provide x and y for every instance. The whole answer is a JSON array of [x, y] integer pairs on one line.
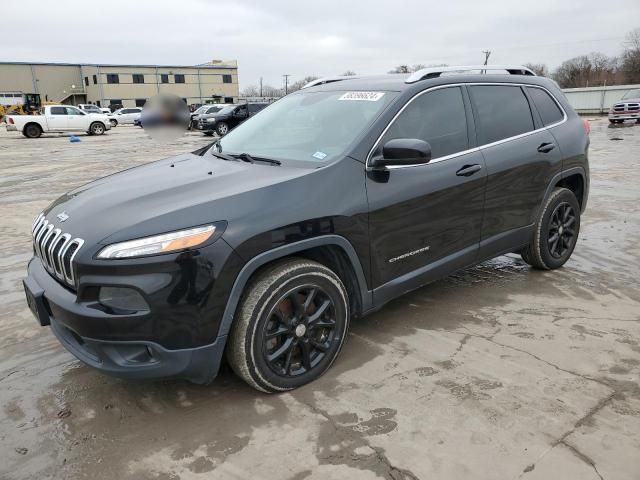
[[487, 54], [286, 82], [260, 86]]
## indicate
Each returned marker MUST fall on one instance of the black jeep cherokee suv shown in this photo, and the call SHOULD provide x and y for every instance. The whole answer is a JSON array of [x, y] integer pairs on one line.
[[321, 208]]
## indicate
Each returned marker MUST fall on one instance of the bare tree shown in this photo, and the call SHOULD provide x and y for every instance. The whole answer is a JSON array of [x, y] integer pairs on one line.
[[295, 86], [630, 62], [349, 73], [250, 91], [401, 69], [539, 69]]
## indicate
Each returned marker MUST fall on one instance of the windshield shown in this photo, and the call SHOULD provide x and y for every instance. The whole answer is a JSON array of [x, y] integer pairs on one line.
[[308, 126], [632, 94], [228, 109], [201, 109]]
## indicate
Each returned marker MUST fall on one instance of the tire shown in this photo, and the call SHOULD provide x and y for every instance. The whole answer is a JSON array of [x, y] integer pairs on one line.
[[279, 319], [222, 128], [114, 123], [559, 218], [612, 122], [96, 128], [32, 130]]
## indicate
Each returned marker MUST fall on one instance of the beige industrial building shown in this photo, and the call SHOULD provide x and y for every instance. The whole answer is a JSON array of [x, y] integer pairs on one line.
[[129, 85]]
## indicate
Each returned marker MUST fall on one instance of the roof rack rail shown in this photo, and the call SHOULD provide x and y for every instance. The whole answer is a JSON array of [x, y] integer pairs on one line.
[[323, 80], [434, 72]]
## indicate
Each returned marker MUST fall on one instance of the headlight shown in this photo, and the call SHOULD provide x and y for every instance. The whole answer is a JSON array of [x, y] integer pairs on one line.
[[165, 243], [211, 120]]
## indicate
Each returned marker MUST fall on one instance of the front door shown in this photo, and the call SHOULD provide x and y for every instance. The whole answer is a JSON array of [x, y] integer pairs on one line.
[[425, 221], [76, 119], [57, 119]]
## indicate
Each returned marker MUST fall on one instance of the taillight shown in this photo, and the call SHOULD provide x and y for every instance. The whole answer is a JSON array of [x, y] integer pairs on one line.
[[11, 121], [587, 126]]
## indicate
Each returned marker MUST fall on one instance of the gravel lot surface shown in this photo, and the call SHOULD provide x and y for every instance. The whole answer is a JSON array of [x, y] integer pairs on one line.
[[498, 372]]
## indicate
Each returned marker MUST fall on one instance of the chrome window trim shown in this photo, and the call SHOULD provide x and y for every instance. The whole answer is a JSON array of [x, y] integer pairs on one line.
[[470, 150]]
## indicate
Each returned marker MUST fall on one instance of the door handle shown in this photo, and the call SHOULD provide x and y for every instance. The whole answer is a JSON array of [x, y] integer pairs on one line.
[[546, 147], [468, 170]]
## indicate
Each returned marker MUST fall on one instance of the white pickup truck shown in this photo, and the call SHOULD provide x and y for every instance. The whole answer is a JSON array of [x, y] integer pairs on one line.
[[58, 118]]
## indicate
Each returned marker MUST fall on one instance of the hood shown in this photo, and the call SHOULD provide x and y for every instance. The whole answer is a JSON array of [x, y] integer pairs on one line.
[[179, 192]]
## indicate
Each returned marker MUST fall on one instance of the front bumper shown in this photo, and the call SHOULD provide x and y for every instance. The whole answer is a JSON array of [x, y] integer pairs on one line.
[[624, 116], [126, 346], [206, 126]]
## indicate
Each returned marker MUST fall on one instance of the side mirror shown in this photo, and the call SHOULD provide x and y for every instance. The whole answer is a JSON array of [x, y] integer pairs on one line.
[[403, 151]]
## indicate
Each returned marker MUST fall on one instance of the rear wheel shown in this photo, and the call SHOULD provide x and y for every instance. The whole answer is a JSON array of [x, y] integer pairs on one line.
[[555, 232], [114, 123], [32, 130], [96, 128], [290, 326]]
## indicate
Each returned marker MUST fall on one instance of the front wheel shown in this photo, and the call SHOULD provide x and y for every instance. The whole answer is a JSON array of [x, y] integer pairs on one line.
[[290, 325], [222, 129], [555, 232], [96, 128]]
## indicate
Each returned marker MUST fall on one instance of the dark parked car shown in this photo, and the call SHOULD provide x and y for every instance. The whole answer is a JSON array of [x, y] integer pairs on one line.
[[330, 203], [205, 110], [223, 121]]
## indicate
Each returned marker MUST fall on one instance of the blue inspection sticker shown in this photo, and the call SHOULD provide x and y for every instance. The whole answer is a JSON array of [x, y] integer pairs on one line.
[[319, 155]]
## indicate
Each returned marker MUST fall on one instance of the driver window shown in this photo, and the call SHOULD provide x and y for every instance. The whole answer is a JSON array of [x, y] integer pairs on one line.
[[73, 111], [437, 117]]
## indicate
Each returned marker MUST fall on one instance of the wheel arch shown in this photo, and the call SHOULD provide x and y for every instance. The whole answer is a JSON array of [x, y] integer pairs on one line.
[[333, 251], [24, 129], [575, 179]]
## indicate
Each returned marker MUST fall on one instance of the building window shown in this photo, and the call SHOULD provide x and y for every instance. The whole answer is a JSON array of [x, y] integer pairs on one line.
[[178, 78], [140, 102], [227, 79], [228, 99], [98, 103], [115, 102], [138, 78], [113, 78], [86, 81], [164, 78], [95, 79]]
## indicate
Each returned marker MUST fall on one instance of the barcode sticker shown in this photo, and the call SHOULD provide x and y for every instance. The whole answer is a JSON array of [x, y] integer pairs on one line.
[[362, 96]]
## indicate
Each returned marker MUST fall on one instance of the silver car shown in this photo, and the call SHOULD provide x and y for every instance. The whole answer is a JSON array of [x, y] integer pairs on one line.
[[628, 108]]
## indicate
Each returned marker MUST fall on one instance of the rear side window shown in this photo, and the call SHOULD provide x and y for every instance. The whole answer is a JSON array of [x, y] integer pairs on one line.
[[437, 117], [58, 111], [255, 107], [503, 112], [547, 107]]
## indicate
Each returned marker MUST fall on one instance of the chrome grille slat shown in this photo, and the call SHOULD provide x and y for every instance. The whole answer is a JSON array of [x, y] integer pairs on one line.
[[51, 246]]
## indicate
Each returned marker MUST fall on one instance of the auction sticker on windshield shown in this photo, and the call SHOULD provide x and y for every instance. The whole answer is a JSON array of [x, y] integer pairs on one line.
[[362, 96]]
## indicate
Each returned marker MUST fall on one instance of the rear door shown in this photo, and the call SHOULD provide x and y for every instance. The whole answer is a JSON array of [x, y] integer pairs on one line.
[[521, 157], [425, 220], [57, 119]]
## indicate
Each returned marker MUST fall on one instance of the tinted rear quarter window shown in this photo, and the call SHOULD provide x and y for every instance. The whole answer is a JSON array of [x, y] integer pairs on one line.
[[503, 112], [437, 117], [546, 106], [58, 111]]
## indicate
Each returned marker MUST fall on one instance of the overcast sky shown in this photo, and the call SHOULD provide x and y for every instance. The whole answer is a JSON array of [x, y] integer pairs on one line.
[[321, 37]]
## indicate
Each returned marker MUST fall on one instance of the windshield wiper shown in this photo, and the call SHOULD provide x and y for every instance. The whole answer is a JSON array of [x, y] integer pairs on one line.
[[223, 156], [245, 157]]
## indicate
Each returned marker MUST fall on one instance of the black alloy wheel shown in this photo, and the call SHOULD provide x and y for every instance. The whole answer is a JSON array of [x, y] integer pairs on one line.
[[562, 235], [299, 331]]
